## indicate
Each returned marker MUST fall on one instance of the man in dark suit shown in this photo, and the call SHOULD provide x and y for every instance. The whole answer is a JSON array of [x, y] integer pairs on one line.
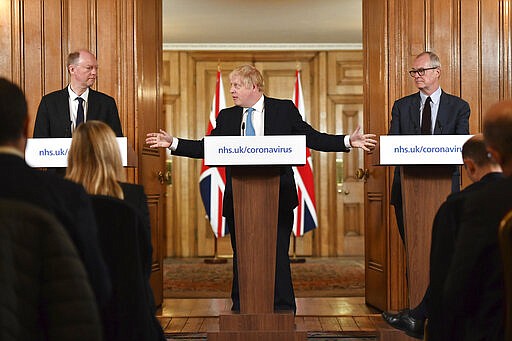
[[256, 114], [429, 111], [66, 200], [474, 293], [61, 111], [482, 170], [448, 115]]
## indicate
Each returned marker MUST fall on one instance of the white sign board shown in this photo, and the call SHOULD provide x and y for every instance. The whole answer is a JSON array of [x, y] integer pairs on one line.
[[53, 152], [422, 149], [255, 150]]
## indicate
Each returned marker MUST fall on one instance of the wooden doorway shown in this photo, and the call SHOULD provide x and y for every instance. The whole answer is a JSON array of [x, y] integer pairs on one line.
[[332, 83]]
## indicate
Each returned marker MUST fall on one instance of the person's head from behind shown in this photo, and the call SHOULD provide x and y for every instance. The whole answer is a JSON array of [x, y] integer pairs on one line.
[[477, 160], [426, 70], [497, 130], [13, 115], [246, 85], [83, 70], [94, 159]]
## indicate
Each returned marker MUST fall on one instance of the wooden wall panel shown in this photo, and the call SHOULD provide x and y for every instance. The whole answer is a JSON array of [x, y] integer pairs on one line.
[[53, 58]]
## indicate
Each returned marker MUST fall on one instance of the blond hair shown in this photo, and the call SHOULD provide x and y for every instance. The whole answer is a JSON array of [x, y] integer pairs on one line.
[[249, 76], [94, 160]]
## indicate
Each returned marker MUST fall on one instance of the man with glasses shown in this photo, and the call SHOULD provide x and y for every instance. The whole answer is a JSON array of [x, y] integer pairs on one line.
[[61, 111], [429, 111]]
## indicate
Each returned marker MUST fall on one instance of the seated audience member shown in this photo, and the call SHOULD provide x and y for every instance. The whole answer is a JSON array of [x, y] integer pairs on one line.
[[473, 292], [45, 293], [94, 160], [66, 200], [481, 170]]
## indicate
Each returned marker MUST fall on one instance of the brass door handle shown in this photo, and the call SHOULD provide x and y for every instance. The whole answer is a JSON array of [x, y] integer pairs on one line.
[[164, 177], [362, 174]]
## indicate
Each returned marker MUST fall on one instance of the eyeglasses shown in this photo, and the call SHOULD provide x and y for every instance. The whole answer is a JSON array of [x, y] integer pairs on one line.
[[421, 71]]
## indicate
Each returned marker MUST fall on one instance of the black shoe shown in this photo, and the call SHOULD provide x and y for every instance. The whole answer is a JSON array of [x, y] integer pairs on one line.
[[404, 321]]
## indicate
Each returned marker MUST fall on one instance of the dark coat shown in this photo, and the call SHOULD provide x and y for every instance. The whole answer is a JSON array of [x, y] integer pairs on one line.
[[53, 118], [444, 233], [69, 203], [474, 289], [126, 245], [45, 289], [135, 197]]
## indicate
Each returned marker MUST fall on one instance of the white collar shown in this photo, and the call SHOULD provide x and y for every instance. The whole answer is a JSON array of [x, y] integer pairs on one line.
[[259, 105], [73, 95], [435, 97]]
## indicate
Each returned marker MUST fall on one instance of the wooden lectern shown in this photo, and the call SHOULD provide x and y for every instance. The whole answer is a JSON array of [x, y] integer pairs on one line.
[[424, 188], [255, 200], [426, 163]]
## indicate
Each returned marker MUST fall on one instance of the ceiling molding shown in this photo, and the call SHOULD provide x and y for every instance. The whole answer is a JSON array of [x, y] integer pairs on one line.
[[261, 47]]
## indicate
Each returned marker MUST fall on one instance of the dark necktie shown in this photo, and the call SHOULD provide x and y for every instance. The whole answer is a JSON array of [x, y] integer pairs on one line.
[[249, 130], [80, 111], [426, 118]]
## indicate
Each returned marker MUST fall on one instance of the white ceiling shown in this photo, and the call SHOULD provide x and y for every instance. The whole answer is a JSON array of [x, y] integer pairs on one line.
[[203, 23]]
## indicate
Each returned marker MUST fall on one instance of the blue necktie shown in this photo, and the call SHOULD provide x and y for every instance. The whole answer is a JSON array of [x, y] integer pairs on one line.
[[80, 111], [249, 130]]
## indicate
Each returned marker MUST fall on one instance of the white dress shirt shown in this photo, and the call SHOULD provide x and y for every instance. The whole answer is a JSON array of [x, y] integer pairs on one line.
[[73, 106]]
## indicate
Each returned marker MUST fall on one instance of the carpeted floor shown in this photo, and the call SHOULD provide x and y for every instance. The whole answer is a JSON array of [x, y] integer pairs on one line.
[[317, 277]]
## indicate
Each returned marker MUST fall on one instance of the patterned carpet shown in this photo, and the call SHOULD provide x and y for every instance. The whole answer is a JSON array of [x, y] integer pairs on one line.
[[317, 277]]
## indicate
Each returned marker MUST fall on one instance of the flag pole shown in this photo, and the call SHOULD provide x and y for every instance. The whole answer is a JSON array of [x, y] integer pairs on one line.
[[218, 103], [294, 258], [216, 259]]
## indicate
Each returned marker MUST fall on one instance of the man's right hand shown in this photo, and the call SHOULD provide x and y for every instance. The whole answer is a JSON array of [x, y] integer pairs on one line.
[[160, 139]]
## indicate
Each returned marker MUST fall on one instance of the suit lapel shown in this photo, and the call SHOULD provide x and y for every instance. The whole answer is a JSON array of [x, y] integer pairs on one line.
[[92, 105], [414, 113], [270, 115], [63, 115], [239, 112], [442, 112]]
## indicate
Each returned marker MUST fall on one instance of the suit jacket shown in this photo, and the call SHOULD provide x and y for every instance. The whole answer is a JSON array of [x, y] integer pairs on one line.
[[135, 197], [281, 118], [444, 233], [474, 289], [452, 119], [53, 118], [69, 203]]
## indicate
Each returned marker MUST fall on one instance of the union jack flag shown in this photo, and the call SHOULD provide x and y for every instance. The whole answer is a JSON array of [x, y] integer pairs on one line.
[[212, 180], [305, 218]]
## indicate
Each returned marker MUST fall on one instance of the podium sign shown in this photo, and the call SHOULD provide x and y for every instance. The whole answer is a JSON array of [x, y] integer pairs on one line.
[[53, 152], [422, 149], [255, 150]]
